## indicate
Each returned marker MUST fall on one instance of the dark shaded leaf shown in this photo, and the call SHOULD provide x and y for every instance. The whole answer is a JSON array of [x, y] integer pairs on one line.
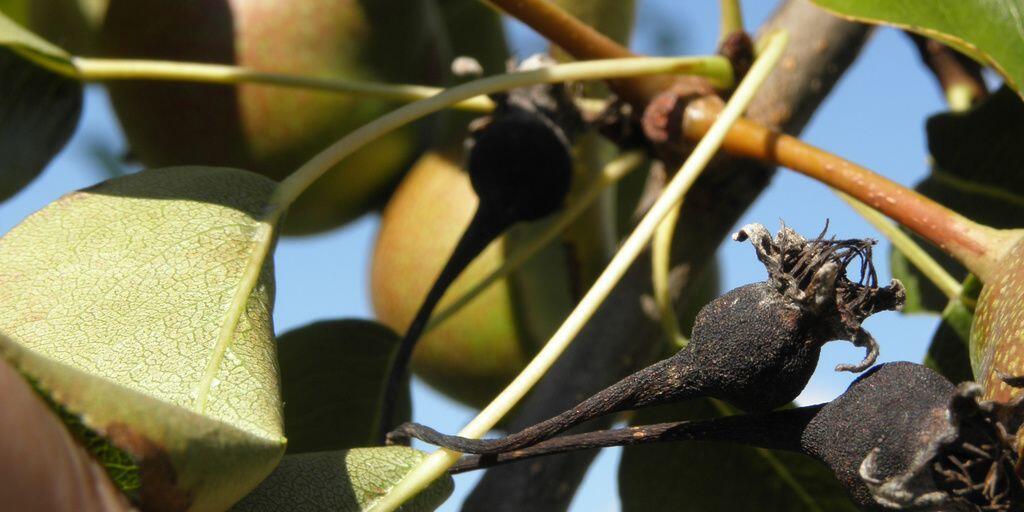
[[949, 352], [332, 382], [39, 110], [346, 481], [713, 476]]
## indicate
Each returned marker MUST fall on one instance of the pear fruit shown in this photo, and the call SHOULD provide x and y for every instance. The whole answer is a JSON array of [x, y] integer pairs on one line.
[[273, 130]]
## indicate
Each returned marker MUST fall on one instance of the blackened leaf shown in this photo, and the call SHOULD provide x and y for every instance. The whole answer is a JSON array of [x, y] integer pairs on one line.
[[332, 383], [716, 476]]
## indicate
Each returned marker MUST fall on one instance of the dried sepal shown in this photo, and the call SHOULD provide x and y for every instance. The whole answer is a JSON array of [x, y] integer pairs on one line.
[[970, 464], [812, 274]]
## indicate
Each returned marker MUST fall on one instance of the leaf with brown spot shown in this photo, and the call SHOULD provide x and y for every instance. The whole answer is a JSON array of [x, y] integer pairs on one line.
[[44, 469]]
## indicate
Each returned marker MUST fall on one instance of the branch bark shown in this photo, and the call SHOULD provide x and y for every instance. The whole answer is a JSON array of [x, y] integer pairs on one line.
[[622, 338]]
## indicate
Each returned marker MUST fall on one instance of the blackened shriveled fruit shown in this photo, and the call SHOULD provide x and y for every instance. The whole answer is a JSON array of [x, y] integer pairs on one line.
[[904, 437], [754, 347], [901, 437], [520, 166]]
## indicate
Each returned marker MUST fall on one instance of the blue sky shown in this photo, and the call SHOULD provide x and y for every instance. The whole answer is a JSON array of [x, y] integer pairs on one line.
[[874, 117]]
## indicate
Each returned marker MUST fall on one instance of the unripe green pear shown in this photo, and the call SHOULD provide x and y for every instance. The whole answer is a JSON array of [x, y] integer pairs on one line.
[[997, 334], [273, 130], [477, 351]]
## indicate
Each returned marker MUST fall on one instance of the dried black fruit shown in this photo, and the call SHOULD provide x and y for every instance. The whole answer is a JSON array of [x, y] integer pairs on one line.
[[754, 347], [901, 437], [520, 166]]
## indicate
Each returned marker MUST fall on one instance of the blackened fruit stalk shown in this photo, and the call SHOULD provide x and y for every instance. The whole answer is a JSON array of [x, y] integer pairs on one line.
[[754, 347], [520, 166], [901, 437]]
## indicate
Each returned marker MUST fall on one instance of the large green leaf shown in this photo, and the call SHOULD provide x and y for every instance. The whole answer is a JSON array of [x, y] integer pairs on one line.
[[715, 476], [990, 31], [332, 380], [345, 481], [44, 468], [39, 109], [117, 297]]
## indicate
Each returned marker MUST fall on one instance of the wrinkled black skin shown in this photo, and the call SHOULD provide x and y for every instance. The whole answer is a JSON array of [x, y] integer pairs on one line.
[[894, 407], [520, 166], [899, 408], [751, 347]]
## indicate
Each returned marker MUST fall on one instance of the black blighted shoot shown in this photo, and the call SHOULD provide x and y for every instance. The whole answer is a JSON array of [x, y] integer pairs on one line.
[[901, 437], [520, 167], [754, 347]]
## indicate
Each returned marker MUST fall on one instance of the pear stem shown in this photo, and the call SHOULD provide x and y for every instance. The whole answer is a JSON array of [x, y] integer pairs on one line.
[[731, 19], [484, 228], [435, 465], [661, 251], [977, 247], [106, 70], [582, 42]]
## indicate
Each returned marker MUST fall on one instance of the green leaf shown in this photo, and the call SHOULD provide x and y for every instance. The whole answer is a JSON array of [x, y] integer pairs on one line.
[[990, 31], [717, 476], [119, 293], [978, 159], [39, 111], [15, 10], [949, 352], [345, 481], [30, 45], [332, 381]]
